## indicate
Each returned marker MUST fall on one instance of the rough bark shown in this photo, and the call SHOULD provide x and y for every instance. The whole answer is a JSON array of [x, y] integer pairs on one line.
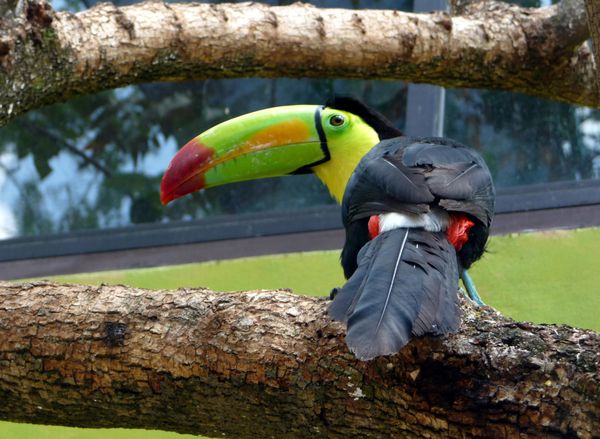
[[48, 56], [271, 364], [592, 8]]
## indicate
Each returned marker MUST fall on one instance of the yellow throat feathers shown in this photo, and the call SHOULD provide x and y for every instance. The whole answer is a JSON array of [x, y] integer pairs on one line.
[[346, 152]]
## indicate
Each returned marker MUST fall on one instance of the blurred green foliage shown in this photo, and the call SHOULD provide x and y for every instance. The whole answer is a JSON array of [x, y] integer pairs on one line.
[[121, 141]]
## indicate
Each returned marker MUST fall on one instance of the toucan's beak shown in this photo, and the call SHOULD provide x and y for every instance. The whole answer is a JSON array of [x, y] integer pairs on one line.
[[267, 143]]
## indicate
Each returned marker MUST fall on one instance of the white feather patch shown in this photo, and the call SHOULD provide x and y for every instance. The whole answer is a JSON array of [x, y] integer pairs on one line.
[[434, 221]]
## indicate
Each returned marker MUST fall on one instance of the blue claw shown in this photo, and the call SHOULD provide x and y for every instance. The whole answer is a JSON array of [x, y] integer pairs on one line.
[[470, 287]]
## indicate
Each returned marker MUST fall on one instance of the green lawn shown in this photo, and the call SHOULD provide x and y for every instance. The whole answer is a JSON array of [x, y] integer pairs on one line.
[[549, 277]]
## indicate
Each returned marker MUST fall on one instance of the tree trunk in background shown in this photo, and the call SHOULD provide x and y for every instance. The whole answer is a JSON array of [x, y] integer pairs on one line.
[[271, 364], [48, 56], [593, 20]]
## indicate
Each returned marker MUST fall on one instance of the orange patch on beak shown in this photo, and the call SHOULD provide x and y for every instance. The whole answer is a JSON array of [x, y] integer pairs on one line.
[[282, 134]]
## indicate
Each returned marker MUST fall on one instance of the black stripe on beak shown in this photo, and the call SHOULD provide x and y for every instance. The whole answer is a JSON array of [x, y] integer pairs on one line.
[[306, 169]]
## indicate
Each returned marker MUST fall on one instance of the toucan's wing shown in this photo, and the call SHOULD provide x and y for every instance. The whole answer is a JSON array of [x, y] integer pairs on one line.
[[456, 175], [461, 182], [379, 184], [410, 175], [382, 183]]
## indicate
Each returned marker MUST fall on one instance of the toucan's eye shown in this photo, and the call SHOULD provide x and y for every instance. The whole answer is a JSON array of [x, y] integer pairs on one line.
[[337, 120]]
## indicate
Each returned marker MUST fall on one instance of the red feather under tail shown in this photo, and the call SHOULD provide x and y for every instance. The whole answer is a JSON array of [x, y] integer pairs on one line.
[[373, 226], [458, 230]]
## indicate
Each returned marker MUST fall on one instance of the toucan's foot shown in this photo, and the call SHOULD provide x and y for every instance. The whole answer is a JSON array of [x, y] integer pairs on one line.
[[470, 287], [333, 293]]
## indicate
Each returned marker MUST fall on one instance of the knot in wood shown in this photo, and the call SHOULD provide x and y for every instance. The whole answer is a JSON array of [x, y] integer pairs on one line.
[[4, 48], [39, 13], [114, 334]]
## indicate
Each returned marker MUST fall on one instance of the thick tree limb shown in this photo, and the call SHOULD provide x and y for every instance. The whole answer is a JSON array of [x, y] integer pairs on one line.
[[199, 362], [48, 56]]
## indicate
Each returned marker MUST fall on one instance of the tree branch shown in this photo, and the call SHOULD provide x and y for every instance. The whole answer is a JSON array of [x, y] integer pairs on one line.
[[563, 26], [204, 363], [70, 147], [569, 19], [592, 8], [53, 56]]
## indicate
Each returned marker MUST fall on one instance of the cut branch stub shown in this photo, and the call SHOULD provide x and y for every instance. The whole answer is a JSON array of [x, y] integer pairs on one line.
[[592, 8], [205, 363]]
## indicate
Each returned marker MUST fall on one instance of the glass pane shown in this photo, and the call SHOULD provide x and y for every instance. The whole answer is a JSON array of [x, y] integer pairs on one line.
[[524, 139], [96, 161]]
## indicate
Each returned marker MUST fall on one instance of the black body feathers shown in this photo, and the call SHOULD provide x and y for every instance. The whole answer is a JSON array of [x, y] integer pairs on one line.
[[413, 175], [404, 282], [405, 286]]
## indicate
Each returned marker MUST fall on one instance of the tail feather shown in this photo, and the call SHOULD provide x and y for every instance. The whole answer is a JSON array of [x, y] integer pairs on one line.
[[405, 285], [347, 298]]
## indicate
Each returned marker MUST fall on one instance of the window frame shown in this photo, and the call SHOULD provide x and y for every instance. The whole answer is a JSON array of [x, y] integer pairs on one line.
[[514, 200]]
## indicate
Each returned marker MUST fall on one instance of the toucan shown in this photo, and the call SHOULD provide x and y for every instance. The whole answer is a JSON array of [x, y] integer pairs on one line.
[[416, 211]]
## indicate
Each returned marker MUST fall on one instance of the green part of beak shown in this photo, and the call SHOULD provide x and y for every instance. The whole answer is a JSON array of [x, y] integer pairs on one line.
[[267, 143]]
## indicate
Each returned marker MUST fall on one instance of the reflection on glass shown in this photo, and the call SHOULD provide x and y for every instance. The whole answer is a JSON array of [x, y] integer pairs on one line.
[[524, 139], [96, 162]]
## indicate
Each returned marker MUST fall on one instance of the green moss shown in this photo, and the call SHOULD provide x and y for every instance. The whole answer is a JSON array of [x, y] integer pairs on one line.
[[49, 36]]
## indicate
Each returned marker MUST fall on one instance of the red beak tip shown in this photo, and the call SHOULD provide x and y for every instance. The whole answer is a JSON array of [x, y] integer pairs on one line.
[[166, 196], [183, 176]]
